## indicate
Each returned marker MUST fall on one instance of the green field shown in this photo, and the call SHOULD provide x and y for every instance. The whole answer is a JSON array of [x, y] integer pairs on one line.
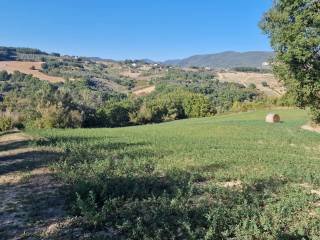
[[226, 177]]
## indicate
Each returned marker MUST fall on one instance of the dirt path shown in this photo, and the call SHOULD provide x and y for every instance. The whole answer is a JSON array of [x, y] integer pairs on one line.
[[144, 91], [30, 197], [32, 201]]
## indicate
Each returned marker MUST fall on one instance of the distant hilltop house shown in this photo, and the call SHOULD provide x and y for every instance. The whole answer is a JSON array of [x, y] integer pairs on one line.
[[265, 64]]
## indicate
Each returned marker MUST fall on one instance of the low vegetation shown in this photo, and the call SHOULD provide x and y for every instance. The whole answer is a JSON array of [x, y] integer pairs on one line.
[[227, 177], [221, 94]]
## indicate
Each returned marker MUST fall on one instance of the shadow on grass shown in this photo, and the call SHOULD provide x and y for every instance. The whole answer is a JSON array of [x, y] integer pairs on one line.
[[18, 155], [93, 143], [8, 132], [11, 145], [26, 161], [30, 200], [211, 167], [31, 205], [56, 140], [292, 237]]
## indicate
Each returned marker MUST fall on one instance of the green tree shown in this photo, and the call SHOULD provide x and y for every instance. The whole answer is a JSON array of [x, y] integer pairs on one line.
[[293, 27], [114, 114]]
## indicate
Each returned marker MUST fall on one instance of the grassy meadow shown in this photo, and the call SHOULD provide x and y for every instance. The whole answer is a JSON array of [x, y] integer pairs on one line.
[[231, 176]]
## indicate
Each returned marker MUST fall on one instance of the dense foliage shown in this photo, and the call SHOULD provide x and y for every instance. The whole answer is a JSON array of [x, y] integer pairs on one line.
[[172, 105], [294, 30], [81, 103], [45, 105], [221, 94], [99, 94]]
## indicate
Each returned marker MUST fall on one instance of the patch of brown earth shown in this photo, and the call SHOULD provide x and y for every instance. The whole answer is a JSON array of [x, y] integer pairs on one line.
[[144, 91], [274, 87], [32, 68], [311, 128], [231, 184]]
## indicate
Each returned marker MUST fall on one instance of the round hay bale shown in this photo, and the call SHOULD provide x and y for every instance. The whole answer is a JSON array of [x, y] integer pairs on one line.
[[272, 118]]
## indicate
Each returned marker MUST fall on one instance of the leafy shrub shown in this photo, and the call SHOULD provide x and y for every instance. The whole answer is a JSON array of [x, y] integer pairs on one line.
[[142, 116], [4, 75], [315, 114], [264, 84], [5, 123], [197, 105], [56, 116], [252, 86], [115, 114]]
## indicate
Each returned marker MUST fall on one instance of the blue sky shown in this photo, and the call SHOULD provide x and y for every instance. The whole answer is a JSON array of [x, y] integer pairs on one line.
[[122, 29]]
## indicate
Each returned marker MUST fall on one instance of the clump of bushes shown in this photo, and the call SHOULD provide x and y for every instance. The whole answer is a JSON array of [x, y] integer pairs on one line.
[[4, 76], [5, 123], [163, 106], [115, 113], [10, 120], [177, 104], [55, 116]]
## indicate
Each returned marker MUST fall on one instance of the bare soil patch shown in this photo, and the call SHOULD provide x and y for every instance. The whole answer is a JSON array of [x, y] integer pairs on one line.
[[32, 200], [274, 87], [311, 128], [144, 91], [25, 67]]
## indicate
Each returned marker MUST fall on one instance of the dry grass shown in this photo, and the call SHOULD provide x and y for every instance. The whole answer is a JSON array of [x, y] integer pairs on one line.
[[274, 89], [25, 67]]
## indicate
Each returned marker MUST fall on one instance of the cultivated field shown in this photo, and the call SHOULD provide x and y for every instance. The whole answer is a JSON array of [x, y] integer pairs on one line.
[[227, 177], [274, 87], [25, 67]]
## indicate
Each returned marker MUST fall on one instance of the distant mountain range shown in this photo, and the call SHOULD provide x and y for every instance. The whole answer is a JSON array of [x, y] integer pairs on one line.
[[228, 59], [225, 60]]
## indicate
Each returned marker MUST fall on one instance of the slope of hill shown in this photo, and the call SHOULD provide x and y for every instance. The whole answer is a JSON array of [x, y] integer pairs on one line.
[[272, 87], [32, 68], [228, 59]]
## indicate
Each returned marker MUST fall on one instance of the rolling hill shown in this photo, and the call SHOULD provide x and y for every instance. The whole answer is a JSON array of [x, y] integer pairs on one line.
[[228, 59]]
